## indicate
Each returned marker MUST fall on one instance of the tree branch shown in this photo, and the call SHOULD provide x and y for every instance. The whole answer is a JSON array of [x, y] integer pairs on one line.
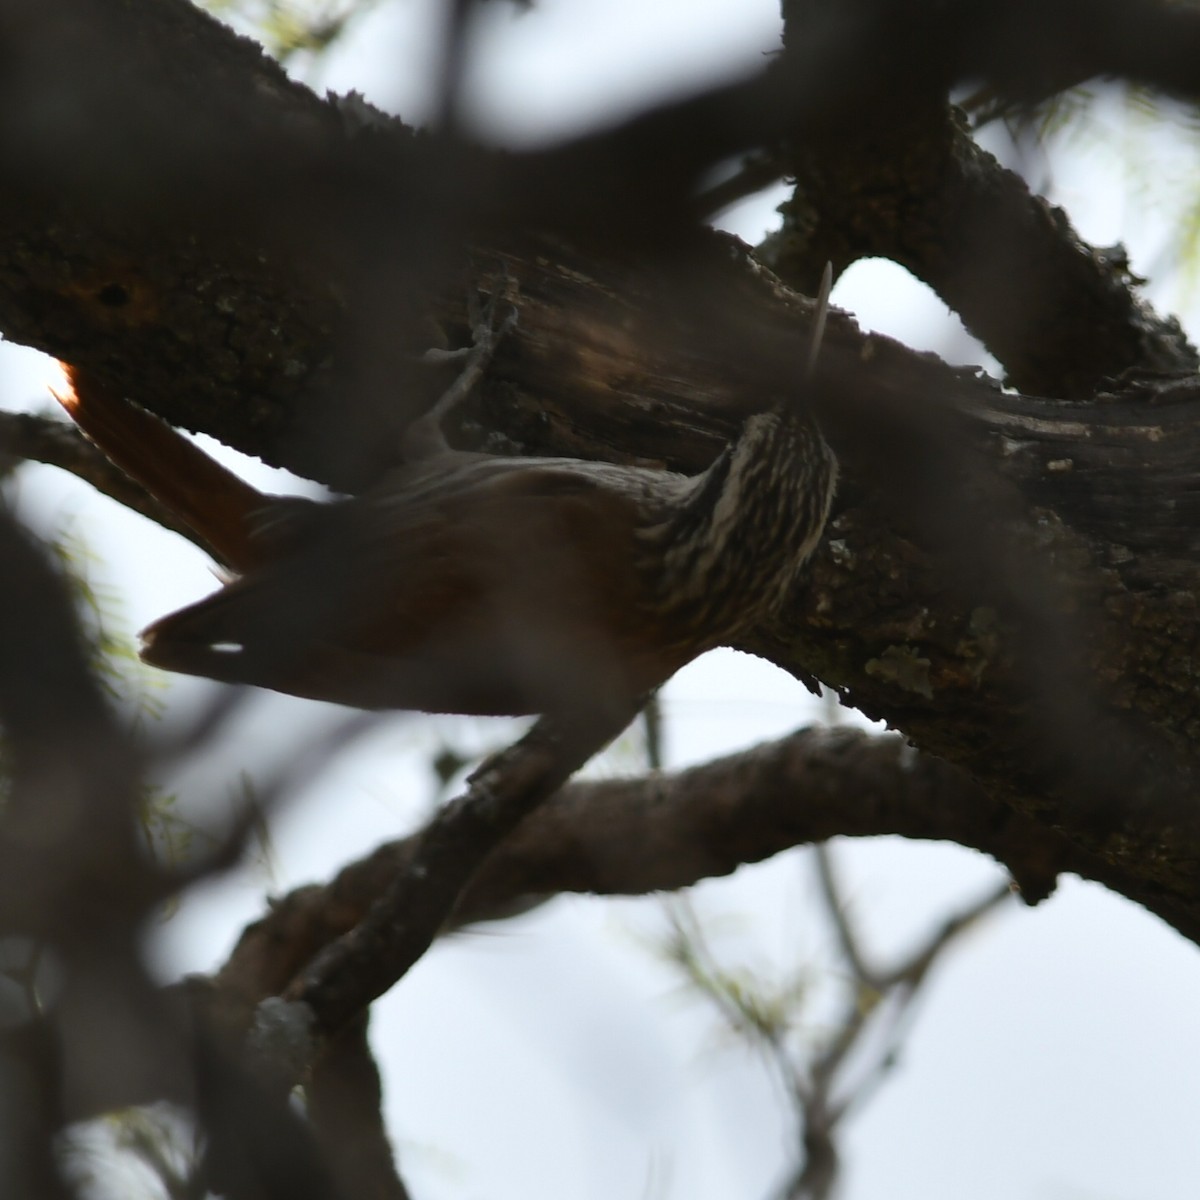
[[59, 444], [1062, 316], [663, 832], [1008, 579], [405, 916], [345, 1103]]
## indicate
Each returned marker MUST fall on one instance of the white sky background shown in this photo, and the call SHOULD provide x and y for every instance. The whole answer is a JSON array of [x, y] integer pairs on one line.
[[1057, 1055]]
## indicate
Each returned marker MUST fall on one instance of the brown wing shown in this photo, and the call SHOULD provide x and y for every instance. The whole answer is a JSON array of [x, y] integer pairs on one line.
[[512, 592]]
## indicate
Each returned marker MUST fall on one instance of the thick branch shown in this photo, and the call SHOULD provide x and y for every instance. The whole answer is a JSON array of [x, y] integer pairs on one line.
[[662, 832], [195, 227], [1060, 315], [1014, 588]]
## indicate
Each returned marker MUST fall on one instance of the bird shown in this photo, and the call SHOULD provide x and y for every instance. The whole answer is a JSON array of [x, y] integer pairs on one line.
[[466, 582]]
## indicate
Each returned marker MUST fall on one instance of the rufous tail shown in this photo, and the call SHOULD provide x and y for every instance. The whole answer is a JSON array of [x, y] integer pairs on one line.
[[201, 493]]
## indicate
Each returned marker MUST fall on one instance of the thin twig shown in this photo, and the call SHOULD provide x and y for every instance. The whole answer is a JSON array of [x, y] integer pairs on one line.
[[846, 935], [758, 171], [914, 970], [652, 724]]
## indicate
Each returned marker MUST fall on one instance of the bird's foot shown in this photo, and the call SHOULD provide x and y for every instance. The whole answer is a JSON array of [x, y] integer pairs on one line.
[[424, 436]]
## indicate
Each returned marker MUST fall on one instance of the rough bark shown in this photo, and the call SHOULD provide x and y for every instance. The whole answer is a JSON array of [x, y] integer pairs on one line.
[[1010, 580], [665, 832]]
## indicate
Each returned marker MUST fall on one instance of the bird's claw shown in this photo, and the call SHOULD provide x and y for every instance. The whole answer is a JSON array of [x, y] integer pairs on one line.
[[424, 436]]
